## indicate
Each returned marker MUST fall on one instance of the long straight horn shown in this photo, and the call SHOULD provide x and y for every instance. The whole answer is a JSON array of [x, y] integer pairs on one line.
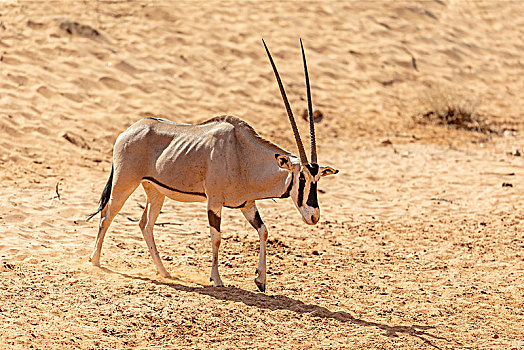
[[310, 110], [301, 151]]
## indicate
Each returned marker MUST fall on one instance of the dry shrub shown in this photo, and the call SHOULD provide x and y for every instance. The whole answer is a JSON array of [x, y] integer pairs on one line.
[[445, 107]]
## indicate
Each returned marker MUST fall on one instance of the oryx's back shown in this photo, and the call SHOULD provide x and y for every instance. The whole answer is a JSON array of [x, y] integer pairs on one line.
[[183, 159]]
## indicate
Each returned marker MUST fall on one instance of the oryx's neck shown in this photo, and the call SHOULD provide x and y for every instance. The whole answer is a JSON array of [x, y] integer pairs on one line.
[[263, 177]]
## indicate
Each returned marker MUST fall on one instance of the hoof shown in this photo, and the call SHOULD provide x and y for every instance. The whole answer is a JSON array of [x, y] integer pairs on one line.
[[95, 262], [163, 272], [261, 286], [215, 284]]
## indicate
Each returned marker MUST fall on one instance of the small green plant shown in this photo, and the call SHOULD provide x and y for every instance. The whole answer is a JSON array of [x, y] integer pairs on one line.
[[444, 107]]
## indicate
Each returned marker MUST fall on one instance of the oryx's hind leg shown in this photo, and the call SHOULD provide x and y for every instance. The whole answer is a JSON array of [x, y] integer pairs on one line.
[[155, 200], [250, 211], [117, 200], [214, 214]]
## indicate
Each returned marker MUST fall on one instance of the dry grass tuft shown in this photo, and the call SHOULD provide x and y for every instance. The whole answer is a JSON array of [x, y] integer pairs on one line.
[[444, 107]]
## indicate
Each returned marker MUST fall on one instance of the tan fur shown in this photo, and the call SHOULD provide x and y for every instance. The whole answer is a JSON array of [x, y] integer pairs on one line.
[[222, 160]]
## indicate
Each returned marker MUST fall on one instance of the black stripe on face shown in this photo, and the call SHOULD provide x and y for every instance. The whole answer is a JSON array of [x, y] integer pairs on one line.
[[214, 220], [312, 197], [313, 169], [301, 187]]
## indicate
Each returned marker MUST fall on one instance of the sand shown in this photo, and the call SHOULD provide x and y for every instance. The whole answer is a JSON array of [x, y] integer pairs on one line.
[[419, 245]]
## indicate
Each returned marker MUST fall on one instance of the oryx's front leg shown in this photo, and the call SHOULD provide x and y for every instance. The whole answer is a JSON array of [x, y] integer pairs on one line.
[[250, 211], [213, 214]]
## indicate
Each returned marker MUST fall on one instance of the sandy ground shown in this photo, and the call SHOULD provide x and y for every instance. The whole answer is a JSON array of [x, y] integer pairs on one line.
[[419, 244]]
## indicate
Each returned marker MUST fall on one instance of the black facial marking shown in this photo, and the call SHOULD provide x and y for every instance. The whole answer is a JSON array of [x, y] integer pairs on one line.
[[313, 169], [301, 186], [312, 197], [288, 189], [214, 220], [257, 221]]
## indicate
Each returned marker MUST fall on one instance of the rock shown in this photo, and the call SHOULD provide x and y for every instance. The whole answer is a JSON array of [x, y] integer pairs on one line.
[[80, 29], [317, 115]]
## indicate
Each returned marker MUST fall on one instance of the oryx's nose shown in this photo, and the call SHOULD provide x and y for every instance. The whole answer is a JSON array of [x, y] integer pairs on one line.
[[314, 218]]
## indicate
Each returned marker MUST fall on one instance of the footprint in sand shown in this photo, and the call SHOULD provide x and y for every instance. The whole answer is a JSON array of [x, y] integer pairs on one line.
[[73, 97], [127, 68], [45, 91], [18, 79], [112, 83], [8, 59]]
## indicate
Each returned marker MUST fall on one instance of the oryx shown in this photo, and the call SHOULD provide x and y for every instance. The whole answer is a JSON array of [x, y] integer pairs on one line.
[[222, 160]]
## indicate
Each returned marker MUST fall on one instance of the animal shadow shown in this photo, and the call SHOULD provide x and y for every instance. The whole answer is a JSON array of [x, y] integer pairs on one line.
[[282, 302]]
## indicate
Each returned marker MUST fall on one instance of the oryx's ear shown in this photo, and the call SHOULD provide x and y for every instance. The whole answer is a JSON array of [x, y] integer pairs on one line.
[[327, 170], [283, 162]]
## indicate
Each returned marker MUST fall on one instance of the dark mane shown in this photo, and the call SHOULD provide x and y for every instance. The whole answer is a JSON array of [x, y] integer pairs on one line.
[[162, 120]]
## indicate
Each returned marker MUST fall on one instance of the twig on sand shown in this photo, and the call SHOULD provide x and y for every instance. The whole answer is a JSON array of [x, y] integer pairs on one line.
[[57, 191], [498, 174], [156, 223], [57, 194], [167, 223], [441, 200]]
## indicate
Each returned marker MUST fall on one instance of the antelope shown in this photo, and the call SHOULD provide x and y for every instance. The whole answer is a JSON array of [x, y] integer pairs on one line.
[[222, 160]]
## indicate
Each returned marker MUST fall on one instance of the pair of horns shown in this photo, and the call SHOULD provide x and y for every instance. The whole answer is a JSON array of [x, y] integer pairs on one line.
[[300, 146]]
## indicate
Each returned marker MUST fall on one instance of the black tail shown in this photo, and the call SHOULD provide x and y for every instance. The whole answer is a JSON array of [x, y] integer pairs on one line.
[[106, 194]]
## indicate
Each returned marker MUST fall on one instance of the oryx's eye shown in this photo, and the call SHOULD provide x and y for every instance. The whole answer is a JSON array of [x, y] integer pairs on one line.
[[302, 179]]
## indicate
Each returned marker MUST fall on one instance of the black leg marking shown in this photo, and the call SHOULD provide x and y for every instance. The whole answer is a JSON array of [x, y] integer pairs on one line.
[[261, 287], [257, 221], [214, 220]]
